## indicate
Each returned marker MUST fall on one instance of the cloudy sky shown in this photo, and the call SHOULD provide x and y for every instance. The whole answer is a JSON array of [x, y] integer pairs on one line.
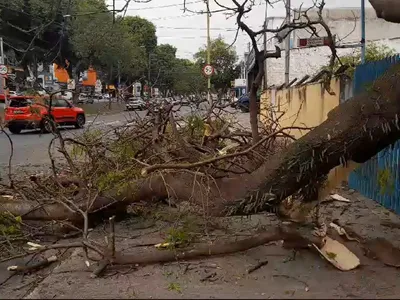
[[187, 30]]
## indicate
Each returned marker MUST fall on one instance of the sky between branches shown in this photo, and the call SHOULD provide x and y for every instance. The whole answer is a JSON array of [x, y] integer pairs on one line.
[[187, 31]]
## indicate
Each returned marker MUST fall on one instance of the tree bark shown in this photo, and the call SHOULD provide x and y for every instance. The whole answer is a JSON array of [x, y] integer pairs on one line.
[[356, 130], [389, 10]]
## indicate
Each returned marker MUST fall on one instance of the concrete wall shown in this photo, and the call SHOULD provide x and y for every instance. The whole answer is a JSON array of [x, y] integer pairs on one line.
[[302, 106], [345, 23], [307, 106]]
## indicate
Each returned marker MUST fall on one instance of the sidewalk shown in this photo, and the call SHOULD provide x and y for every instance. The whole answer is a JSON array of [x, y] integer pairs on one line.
[[308, 276]]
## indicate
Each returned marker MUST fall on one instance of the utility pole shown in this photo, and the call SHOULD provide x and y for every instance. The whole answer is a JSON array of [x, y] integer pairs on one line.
[[2, 50], [113, 11], [208, 52], [119, 77], [111, 67], [287, 45], [362, 31], [2, 91], [265, 45], [148, 77]]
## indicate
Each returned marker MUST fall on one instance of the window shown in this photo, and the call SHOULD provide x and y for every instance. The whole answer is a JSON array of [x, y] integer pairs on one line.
[[20, 103], [59, 103]]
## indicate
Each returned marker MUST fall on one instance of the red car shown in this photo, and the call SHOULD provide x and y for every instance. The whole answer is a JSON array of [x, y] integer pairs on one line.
[[22, 113]]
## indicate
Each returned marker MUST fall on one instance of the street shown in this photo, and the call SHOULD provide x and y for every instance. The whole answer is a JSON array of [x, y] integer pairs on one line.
[[31, 147]]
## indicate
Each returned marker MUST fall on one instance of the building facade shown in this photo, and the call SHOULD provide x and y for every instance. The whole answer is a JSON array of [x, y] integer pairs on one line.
[[345, 23]]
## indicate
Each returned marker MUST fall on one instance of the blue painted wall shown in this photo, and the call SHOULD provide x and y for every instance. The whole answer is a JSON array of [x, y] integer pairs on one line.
[[378, 178], [366, 74]]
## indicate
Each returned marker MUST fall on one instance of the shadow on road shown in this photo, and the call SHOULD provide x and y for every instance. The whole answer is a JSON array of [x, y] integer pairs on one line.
[[39, 132]]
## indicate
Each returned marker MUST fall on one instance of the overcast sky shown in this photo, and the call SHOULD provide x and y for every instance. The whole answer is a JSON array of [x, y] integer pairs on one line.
[[187, 31]]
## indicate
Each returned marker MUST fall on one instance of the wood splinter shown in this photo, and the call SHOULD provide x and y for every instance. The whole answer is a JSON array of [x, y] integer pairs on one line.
[[36, 266], [111, 251], [257, 266]]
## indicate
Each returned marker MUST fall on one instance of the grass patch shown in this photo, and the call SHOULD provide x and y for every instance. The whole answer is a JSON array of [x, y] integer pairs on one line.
[[174, 286]]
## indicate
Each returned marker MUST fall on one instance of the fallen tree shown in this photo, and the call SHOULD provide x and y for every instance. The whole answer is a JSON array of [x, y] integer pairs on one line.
[[355, 130], [389, 10], [216, 167]]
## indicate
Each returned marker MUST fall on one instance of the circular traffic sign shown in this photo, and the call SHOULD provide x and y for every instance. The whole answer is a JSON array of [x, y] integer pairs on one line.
[[3, 70], [208, 70]]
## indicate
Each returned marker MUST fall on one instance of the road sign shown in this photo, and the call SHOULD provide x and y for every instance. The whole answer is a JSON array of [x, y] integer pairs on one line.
[[241, 82], [313, 42], [208, 70], [3, 70]]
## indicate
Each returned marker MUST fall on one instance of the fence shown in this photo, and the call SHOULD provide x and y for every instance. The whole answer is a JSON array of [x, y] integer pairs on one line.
[[378, 178], [367, 73]]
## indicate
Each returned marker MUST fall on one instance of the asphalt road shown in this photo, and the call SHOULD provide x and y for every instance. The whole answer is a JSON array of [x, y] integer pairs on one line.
[[31, 147]]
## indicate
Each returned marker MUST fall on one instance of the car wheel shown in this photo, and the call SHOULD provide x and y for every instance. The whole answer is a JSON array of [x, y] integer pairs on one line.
[[15, 129], [80, 121], [244, 109], [47, 125]]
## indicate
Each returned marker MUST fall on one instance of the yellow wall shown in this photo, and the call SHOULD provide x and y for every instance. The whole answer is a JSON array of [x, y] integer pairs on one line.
[[304, 106]]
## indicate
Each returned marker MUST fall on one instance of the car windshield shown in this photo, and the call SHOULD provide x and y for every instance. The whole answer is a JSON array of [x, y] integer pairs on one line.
[[24, 102]]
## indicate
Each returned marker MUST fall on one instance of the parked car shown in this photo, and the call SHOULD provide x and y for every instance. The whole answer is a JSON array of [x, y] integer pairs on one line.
[[244, 103], [184, 101], [154, 105], [85, 98], [22, 113], [135, 103], [176, 101], [98, 96], [68, 96]]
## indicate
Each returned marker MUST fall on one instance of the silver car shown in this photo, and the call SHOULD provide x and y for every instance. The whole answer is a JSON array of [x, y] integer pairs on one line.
[[135, 103]]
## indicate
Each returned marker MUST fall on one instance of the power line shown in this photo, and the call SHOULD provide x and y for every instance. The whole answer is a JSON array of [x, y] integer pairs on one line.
[[165, 6], [197, 28], [191, 36], [173, 17]]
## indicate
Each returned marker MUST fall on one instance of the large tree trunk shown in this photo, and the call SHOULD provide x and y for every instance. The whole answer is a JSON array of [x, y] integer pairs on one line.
[[389, 10], [355, 130]]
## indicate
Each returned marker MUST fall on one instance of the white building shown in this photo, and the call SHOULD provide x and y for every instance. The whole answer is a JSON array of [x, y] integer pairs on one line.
[[346, 25]]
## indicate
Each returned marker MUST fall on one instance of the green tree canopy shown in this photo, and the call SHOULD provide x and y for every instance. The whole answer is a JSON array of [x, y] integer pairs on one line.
[[223, 59], [35, 30], [100, 42], [373, 52], [142, 32], [187, 78], [162, 66]]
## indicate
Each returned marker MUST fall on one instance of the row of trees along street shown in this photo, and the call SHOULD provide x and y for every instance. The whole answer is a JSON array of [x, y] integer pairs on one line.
[[232, 172], [86, 34]]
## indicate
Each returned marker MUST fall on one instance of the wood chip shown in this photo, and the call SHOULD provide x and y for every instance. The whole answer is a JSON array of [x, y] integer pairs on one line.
[[338, 255], [337, 197]]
